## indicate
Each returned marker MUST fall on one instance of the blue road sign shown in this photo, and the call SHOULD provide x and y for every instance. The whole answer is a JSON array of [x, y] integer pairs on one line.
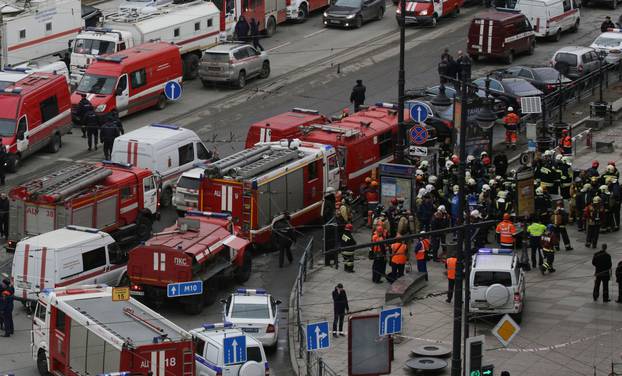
[[420, 111], [317, 336], [172, 90], [184, 289], [390, 321], [418, 135], [234, 350]]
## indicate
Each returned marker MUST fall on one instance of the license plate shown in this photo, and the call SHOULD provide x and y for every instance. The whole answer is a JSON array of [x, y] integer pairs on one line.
[[334, 22], [214, 68], [138, 293], [250, 330]]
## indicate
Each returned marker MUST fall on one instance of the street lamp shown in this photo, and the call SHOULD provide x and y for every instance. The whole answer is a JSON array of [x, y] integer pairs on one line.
[[401, 82]]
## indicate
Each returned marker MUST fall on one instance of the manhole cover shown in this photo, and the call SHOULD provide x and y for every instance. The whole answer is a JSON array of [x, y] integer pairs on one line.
[[426, 364], [431, 350]]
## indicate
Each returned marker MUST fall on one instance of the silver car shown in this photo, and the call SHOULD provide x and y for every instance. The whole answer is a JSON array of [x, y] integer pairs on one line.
[[233, 63]]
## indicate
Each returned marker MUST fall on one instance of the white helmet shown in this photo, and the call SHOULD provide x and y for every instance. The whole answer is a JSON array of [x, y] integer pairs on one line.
[[485, 188], [421, 193], [456, 188], [610, 168], [432, 179], [502, 194], [567, 160], [483, 154], [470, 158], [539, 191], [491, 182], [467, 175], [498, 178], [603, 188], [429, 188], [586, 187], [448, 164], [442, 209], [475, 213], [419, 173], [596, 199], [510, 109], [559, 157], [471, 181], [423, 164]]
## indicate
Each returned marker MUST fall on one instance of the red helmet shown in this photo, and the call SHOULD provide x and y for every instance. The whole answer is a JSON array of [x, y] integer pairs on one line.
[[379, 229], [506, 216], [613, 163], [394, 201], [565, 131], [349, 227], [595, 164], [455, 159]]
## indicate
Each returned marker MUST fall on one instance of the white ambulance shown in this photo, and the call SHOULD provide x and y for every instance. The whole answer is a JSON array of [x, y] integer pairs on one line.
[[550, 18]]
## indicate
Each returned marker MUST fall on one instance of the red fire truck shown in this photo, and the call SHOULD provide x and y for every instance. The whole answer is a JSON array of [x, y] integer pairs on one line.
[[269, 13], [85, 331], [115, 198], [258, 184], [198, 247]]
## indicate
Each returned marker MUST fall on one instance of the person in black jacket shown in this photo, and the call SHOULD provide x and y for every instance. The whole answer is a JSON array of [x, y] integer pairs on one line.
[[340, 305], [602, 264], [283, 237], [92, 128], [347, 239], [241, 29], [501, 164], [84, 107], [357, 97], [4, 215], [4, 158], [114, 116], [254, 26], [7, 307], [606, 25], [108, 132], [619, 281]]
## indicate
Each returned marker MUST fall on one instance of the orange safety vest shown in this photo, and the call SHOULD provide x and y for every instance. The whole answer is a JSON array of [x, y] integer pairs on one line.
[[451, 267], [511, 119], [506, 231], [420, 254], [399, 253], [567, 142], [376, 248]]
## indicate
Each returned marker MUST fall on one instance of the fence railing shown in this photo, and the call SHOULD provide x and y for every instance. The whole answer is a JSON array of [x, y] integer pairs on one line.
[[314, 365]]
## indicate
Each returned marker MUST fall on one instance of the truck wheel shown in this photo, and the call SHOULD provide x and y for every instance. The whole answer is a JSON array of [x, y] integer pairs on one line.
[[303, 12], [55, 144], [42, 363], [241, 81], [195, 305], [13, 163], [161, 102], [244, 272], [191, 67], [575, 28], [270, 27], [143, 228], [265, 70]]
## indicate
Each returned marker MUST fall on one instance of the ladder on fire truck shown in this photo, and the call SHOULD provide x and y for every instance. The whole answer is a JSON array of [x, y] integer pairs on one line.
[[251, 162], [346, 132], [67, 180]]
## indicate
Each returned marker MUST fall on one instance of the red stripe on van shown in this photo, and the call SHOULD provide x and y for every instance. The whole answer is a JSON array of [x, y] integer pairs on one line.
[[87, 276], [129, 152], [563, 15], [196, 38], [44, 252], [135, 154], [44, 39], [25, 271]]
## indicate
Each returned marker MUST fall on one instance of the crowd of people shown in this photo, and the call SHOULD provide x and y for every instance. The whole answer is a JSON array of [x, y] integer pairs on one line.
[[97, 128]]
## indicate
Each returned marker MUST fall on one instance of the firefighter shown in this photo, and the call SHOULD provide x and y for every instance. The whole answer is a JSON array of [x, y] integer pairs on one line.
[[582, 199], [566, 142], [593, 171], [399, 257], [548, 242], [615, 203], [254, 32], [347, 239], [505, 232], [4, 158], [610, 173], [440, 221], [84, 107], [559, 220], [392, 212], [372, 196], [605, 198], [363, 188], [451, 264], [502, 205], [7, 296], [283, 237], [405, 222], [479, 238], [593, 214], [378, 255], [566, 177], [357, 97], [535, 231], [602, 265], [421, 254], [382, 221], [109, 131], [546, 175], [510, 121], [92, 128], [345, 212], [114, 115], [4, 215], [542, 201]]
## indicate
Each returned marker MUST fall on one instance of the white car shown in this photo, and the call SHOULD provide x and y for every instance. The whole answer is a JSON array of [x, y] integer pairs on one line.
[[186, 192], [611, 43], [209, 353], [255, 312]]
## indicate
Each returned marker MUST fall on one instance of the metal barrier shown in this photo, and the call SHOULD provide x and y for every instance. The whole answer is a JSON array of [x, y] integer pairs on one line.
[[314, 365]]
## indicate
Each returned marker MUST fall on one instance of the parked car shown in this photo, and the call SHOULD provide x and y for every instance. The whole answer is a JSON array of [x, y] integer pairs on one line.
[[575, 61], [551, 17], [545, 79], [255, 312], [610, 43], [509, 90], [233, 63], [353, 13]]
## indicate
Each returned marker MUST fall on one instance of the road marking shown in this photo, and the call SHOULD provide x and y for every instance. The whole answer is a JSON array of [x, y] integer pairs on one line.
[[314, 33], [279, 46]]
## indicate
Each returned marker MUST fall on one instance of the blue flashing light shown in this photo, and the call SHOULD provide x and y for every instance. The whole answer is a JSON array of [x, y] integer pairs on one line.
[[387, 105], [99, 29], [167, 126], [224, 325], [251, 291], [16, 69], [208, 214], [494, 251]]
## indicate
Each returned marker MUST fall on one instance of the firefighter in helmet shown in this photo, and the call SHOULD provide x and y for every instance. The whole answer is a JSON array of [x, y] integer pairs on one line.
[[347, 239], [566, 142], [511, 121], [505, 232]]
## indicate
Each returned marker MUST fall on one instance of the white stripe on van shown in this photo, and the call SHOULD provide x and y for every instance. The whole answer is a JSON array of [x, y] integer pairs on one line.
[[230, 199], [162, 262], [155, 261], [223, 197], [162, 357], [481, 36], [490, 36], [154, 362]]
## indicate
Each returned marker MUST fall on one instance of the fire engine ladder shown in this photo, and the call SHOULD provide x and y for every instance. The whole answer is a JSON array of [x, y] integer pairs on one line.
[[67, 180], [276, 158], [346, 132], [243, 157]]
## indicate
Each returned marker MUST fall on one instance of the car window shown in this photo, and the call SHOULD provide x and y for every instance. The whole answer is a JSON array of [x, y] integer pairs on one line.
[[564, 57], [251, 51], [94, 259], [138, 78], [186, 154], [494, 85], [40, 312], [594, 56], [488, 278], [188, 183], [253, 353], [608, 42], [567, 5], [514, 71], [242, 53], [547, 74], [199, 346], [586, 58], [526, 73], [202, 152], [216, 57], [250, 311], [211, 354]]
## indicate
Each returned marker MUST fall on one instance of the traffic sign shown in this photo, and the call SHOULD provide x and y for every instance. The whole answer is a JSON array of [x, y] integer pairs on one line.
[[506, 329], [390, 321], [418, 151], [418, 134], [120, 294], [488, 370], [531, 145], [234, 350], [172, 90], [317, 336], [184, 289], [420, 111]]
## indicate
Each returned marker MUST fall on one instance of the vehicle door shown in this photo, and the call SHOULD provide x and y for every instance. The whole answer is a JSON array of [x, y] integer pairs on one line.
[[334, 172], [595, 61], [443, 7], [588, 64], [568, 21], [367, 9], [39, 327], [240, 60], [116, 257], [22, 134], [254, 61], [122, 95], [150, 194]]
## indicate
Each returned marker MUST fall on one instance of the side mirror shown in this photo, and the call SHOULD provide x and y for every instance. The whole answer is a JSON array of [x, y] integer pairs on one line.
[[223, 301], [277, 302], [20, 135]]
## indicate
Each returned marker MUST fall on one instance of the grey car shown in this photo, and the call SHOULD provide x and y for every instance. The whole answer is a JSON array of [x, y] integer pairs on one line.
[[233, 63], [576, 61]]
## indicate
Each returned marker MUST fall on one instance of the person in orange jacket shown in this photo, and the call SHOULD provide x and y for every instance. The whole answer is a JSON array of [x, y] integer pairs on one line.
[[379, 265], [421, 253], [566, 142], [451, 264], [505, 232], [511, 121], [399, 257]]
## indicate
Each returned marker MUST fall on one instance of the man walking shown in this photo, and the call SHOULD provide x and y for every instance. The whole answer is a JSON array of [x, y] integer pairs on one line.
[[560, 220], [7, 307], [535, 230], [421, 254], [4, 158], [602, 264], [283, 237], [399, 257], [108, 133], [379, 265], [548, 243], [241, 29], [607, 24], [619, 281], [357, 97], [451, 264], [92, 129], [4, 215], [340, 308], [254, 26], [84, 107]]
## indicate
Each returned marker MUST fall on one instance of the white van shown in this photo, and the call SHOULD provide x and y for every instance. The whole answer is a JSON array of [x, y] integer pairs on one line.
[[167, 150], [69, 256], [186, 196], [550, 18]]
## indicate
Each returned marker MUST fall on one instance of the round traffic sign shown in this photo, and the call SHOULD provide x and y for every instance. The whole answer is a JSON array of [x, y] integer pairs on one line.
[[418, 135], [420, 112], [172, 90]]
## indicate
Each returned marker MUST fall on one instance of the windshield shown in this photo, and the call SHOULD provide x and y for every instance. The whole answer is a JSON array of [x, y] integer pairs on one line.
[[348, 3], [188, 183], [96, 84], [7, 127], [569, 59], [93, 47], [608, 42], [521, 86], [250, 311]]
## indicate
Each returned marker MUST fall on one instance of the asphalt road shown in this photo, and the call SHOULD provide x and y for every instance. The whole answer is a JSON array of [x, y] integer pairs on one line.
[[312, 67]]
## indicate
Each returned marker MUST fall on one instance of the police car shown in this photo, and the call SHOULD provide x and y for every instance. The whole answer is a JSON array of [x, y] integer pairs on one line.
[[497, 283], [255, 312], [209, 352], [610, 42]]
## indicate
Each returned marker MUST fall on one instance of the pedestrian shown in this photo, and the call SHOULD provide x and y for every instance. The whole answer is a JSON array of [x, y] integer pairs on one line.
[[116, 121], [505, 232], [440, 220], [421, 251], [559, 219], [4, 159], [566, 142], [511, 121], [347, 239], [283, 237], [92, 129], [109, 131], [451, 263], [607, 24], [242, 29], [378, 255], [340, 308], [593, 215], [84, 107], [619, 281], [254, 27], [535, 231], [357, 97], [399, 257], [548, 243], [7, 307], [4, 215], [602, 265]]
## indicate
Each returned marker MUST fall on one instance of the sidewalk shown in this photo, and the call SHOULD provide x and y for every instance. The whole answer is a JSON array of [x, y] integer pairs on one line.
[[563, 332]]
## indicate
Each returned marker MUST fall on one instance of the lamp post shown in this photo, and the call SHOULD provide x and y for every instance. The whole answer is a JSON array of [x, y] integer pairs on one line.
[[401, 82], [485, 120]]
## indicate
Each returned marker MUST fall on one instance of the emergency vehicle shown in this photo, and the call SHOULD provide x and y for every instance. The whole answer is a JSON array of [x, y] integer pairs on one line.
[[258, 184], [35, 112], [427, 12], [551, 17], [268, 13], [114, 198], [131, 80], [198, 247], [299, 10], [83, 331]]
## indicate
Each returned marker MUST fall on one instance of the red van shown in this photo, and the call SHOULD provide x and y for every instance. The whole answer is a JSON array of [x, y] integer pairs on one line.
[[427, 12], [34, 114], [130, 80], [501, 34], [283, 126]]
